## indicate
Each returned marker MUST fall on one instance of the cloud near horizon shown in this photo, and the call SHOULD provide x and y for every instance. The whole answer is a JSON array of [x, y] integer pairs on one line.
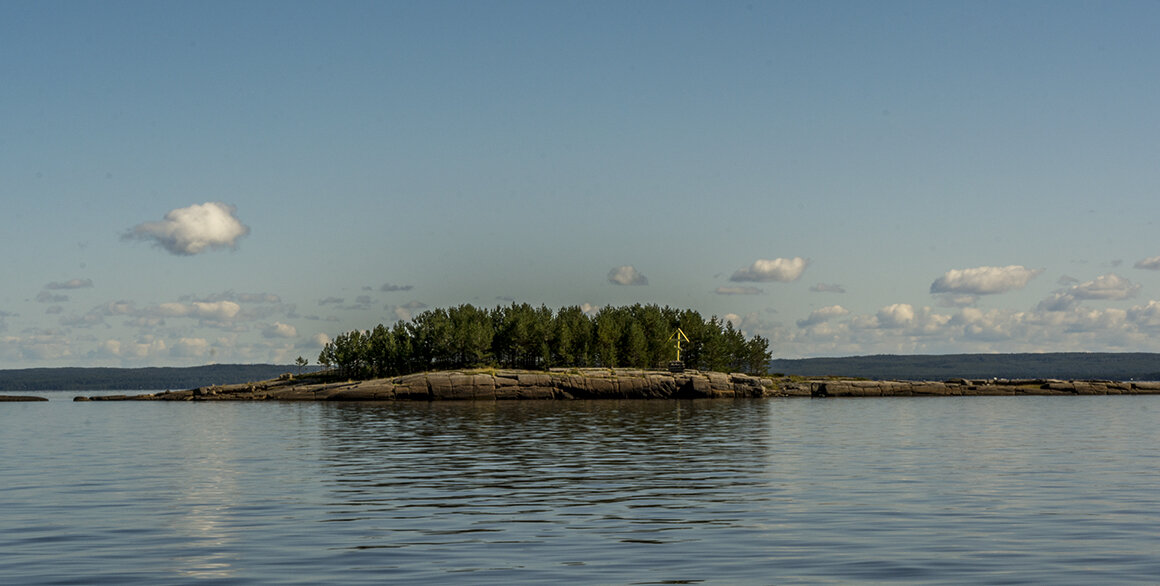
[[783, 270], [279, 330], [824, 314], [983, 280], [192, 230], [626, 275], [1151, 263]]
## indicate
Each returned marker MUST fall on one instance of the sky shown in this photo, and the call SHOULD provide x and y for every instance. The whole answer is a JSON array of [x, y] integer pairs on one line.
[[188, 183]]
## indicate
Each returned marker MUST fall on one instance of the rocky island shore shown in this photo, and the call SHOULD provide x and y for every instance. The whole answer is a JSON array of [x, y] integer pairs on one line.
[[604, 383]]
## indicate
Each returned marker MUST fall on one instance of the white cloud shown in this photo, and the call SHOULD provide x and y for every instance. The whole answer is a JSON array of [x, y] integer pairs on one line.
[[626, 275], [319, 340], [238, 297], [984, 280], [1058, 301], [1151, 263], [1146, 316], [194, 229], [215, 311], [824, 314], [898, 315], [738, 291], [1109, 286], [782, 270], [70, 284], [280, 330]]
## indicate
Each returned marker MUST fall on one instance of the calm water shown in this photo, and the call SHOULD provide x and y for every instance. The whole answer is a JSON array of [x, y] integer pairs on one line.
[[995, 490]]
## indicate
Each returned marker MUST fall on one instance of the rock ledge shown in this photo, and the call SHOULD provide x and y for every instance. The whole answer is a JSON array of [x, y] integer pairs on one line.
[[603, 383]]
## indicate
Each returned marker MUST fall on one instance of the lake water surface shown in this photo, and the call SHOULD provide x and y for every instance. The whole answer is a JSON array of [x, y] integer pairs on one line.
[[995, 490]]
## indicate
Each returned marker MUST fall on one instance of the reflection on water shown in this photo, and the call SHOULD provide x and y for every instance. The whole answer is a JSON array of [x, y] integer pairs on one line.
[[526, 473], [976, 490]]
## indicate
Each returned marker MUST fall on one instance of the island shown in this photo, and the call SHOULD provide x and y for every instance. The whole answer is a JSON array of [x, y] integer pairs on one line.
[[491, 384]]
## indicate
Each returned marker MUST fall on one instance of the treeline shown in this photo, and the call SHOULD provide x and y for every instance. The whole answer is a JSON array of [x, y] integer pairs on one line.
[[526, 337]]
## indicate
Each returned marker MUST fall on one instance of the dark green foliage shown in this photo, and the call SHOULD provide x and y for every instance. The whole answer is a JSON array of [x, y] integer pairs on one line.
[[522, 336]]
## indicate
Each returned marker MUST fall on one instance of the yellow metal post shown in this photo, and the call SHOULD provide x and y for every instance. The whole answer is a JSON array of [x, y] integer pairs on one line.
[[679, 336]]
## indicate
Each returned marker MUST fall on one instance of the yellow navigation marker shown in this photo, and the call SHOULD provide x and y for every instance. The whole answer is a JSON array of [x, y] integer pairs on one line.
[[680, 336]]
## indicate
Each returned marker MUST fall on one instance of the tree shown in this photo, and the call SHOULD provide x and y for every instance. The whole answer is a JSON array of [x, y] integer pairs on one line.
[[522, 336]]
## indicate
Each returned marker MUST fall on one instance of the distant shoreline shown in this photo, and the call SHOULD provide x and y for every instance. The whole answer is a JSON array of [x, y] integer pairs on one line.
[[603, 383]]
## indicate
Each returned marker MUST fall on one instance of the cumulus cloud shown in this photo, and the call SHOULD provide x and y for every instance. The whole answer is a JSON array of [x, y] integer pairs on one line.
[[783, 270], [390, 287], [215, 311], [238, 297], [194, 229], [1109, 286], [626, 275], [898, 315], [738, 291], [827, 288], [279, 330], [70, 284], [984, 280], [1058, 301], [1151, 263], [1146, 316], [824, 314]]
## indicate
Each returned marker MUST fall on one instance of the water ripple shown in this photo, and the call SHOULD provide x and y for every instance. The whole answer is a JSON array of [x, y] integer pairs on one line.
[[991, 490]]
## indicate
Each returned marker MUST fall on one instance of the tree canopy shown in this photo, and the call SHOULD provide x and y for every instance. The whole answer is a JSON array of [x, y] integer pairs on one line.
[[527, 337]]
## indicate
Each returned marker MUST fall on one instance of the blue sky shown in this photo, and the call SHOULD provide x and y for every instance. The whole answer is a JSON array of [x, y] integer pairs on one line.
[[187, 183]]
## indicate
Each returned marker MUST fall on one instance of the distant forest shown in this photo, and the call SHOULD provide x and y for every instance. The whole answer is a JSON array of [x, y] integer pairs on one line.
[[1061, 365], [1070, 365], [522, 336], [145, 379]]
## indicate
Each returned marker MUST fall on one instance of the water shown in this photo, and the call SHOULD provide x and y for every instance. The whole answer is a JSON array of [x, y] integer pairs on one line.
[[996, 490]]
